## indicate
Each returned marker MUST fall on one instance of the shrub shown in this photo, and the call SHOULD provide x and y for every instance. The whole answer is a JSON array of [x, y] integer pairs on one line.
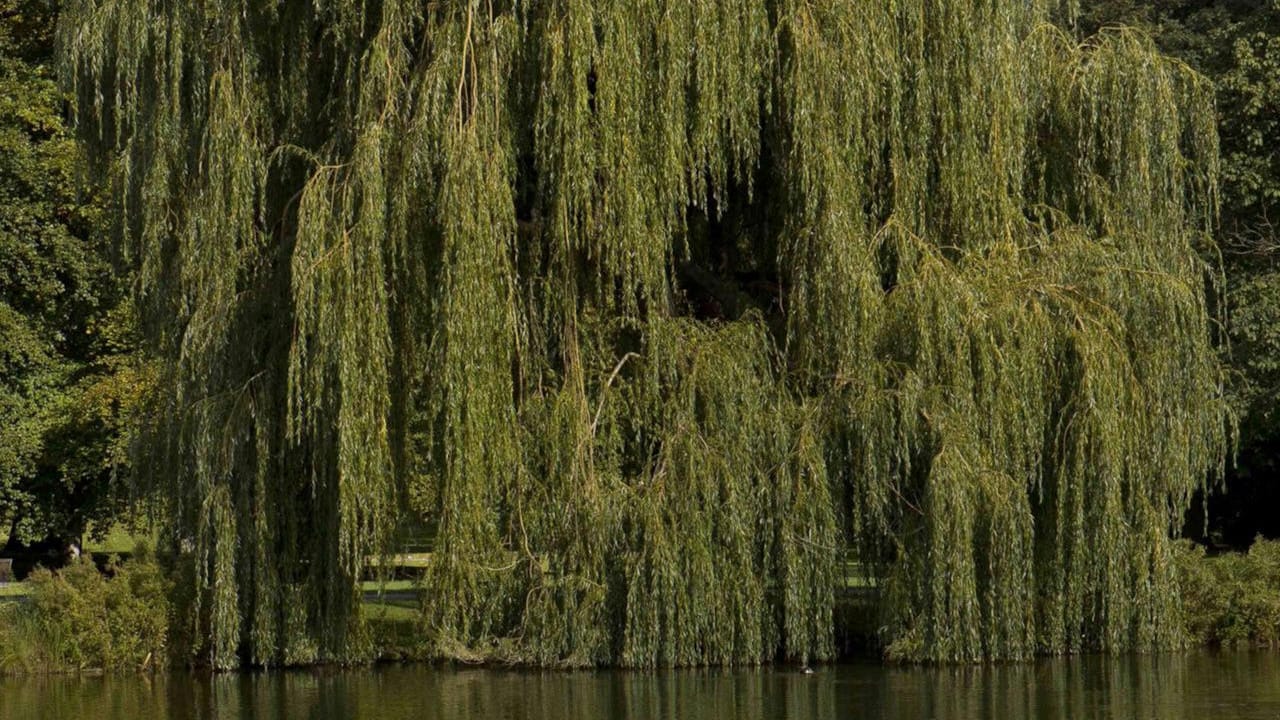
[[79, 618], [1232, 599]]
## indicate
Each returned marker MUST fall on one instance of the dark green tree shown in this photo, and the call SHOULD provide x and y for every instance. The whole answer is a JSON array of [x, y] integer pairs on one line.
[[68, 376], [655, 308]]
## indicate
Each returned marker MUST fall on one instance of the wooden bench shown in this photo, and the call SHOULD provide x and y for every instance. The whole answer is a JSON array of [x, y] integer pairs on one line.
[[6, 570]]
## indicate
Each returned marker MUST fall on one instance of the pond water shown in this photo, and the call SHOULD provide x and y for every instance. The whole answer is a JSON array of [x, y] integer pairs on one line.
[[1217, 686]]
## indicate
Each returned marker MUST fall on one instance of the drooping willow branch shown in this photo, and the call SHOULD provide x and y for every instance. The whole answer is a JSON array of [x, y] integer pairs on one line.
[[656, 309]]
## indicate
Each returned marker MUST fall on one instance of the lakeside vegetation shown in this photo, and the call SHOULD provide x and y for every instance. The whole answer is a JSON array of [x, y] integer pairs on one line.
[[1232, 599], [80, 619], [661, 370]]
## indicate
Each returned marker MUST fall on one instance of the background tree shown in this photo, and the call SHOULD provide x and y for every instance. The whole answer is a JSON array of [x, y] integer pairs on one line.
[[655, 309], [1236, 44], [69, 379]]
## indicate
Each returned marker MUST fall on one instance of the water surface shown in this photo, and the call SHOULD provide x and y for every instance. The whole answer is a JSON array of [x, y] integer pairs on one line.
[[1217, 686]]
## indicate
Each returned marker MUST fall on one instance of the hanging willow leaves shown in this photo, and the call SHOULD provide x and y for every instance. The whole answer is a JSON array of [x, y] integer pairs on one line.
[[654, 308]]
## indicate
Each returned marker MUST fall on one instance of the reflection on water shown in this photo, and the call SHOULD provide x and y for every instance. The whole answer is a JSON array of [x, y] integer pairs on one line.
[[1221, 686]]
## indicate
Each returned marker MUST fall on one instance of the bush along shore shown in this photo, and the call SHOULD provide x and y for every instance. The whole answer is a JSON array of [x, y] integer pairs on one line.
[[122, 617], [82, 618], [126, 616], [1232, 599]]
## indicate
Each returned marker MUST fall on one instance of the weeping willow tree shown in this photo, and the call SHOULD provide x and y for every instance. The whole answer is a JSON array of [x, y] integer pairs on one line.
[[656, 308]]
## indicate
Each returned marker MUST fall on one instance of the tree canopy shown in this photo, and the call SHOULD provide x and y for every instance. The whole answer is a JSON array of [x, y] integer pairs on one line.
[[68, 379], [655, 308]]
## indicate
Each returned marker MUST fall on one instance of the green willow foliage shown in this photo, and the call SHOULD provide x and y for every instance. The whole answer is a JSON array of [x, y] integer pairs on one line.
[[437, 256]]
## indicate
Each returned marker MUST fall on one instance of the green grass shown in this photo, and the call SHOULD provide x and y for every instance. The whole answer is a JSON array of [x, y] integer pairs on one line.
[[14, 590], [391, 611], [119, 540], [389, 586]]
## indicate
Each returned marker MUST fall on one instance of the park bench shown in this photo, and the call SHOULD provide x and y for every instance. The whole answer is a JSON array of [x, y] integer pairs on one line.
[[6, 570]]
